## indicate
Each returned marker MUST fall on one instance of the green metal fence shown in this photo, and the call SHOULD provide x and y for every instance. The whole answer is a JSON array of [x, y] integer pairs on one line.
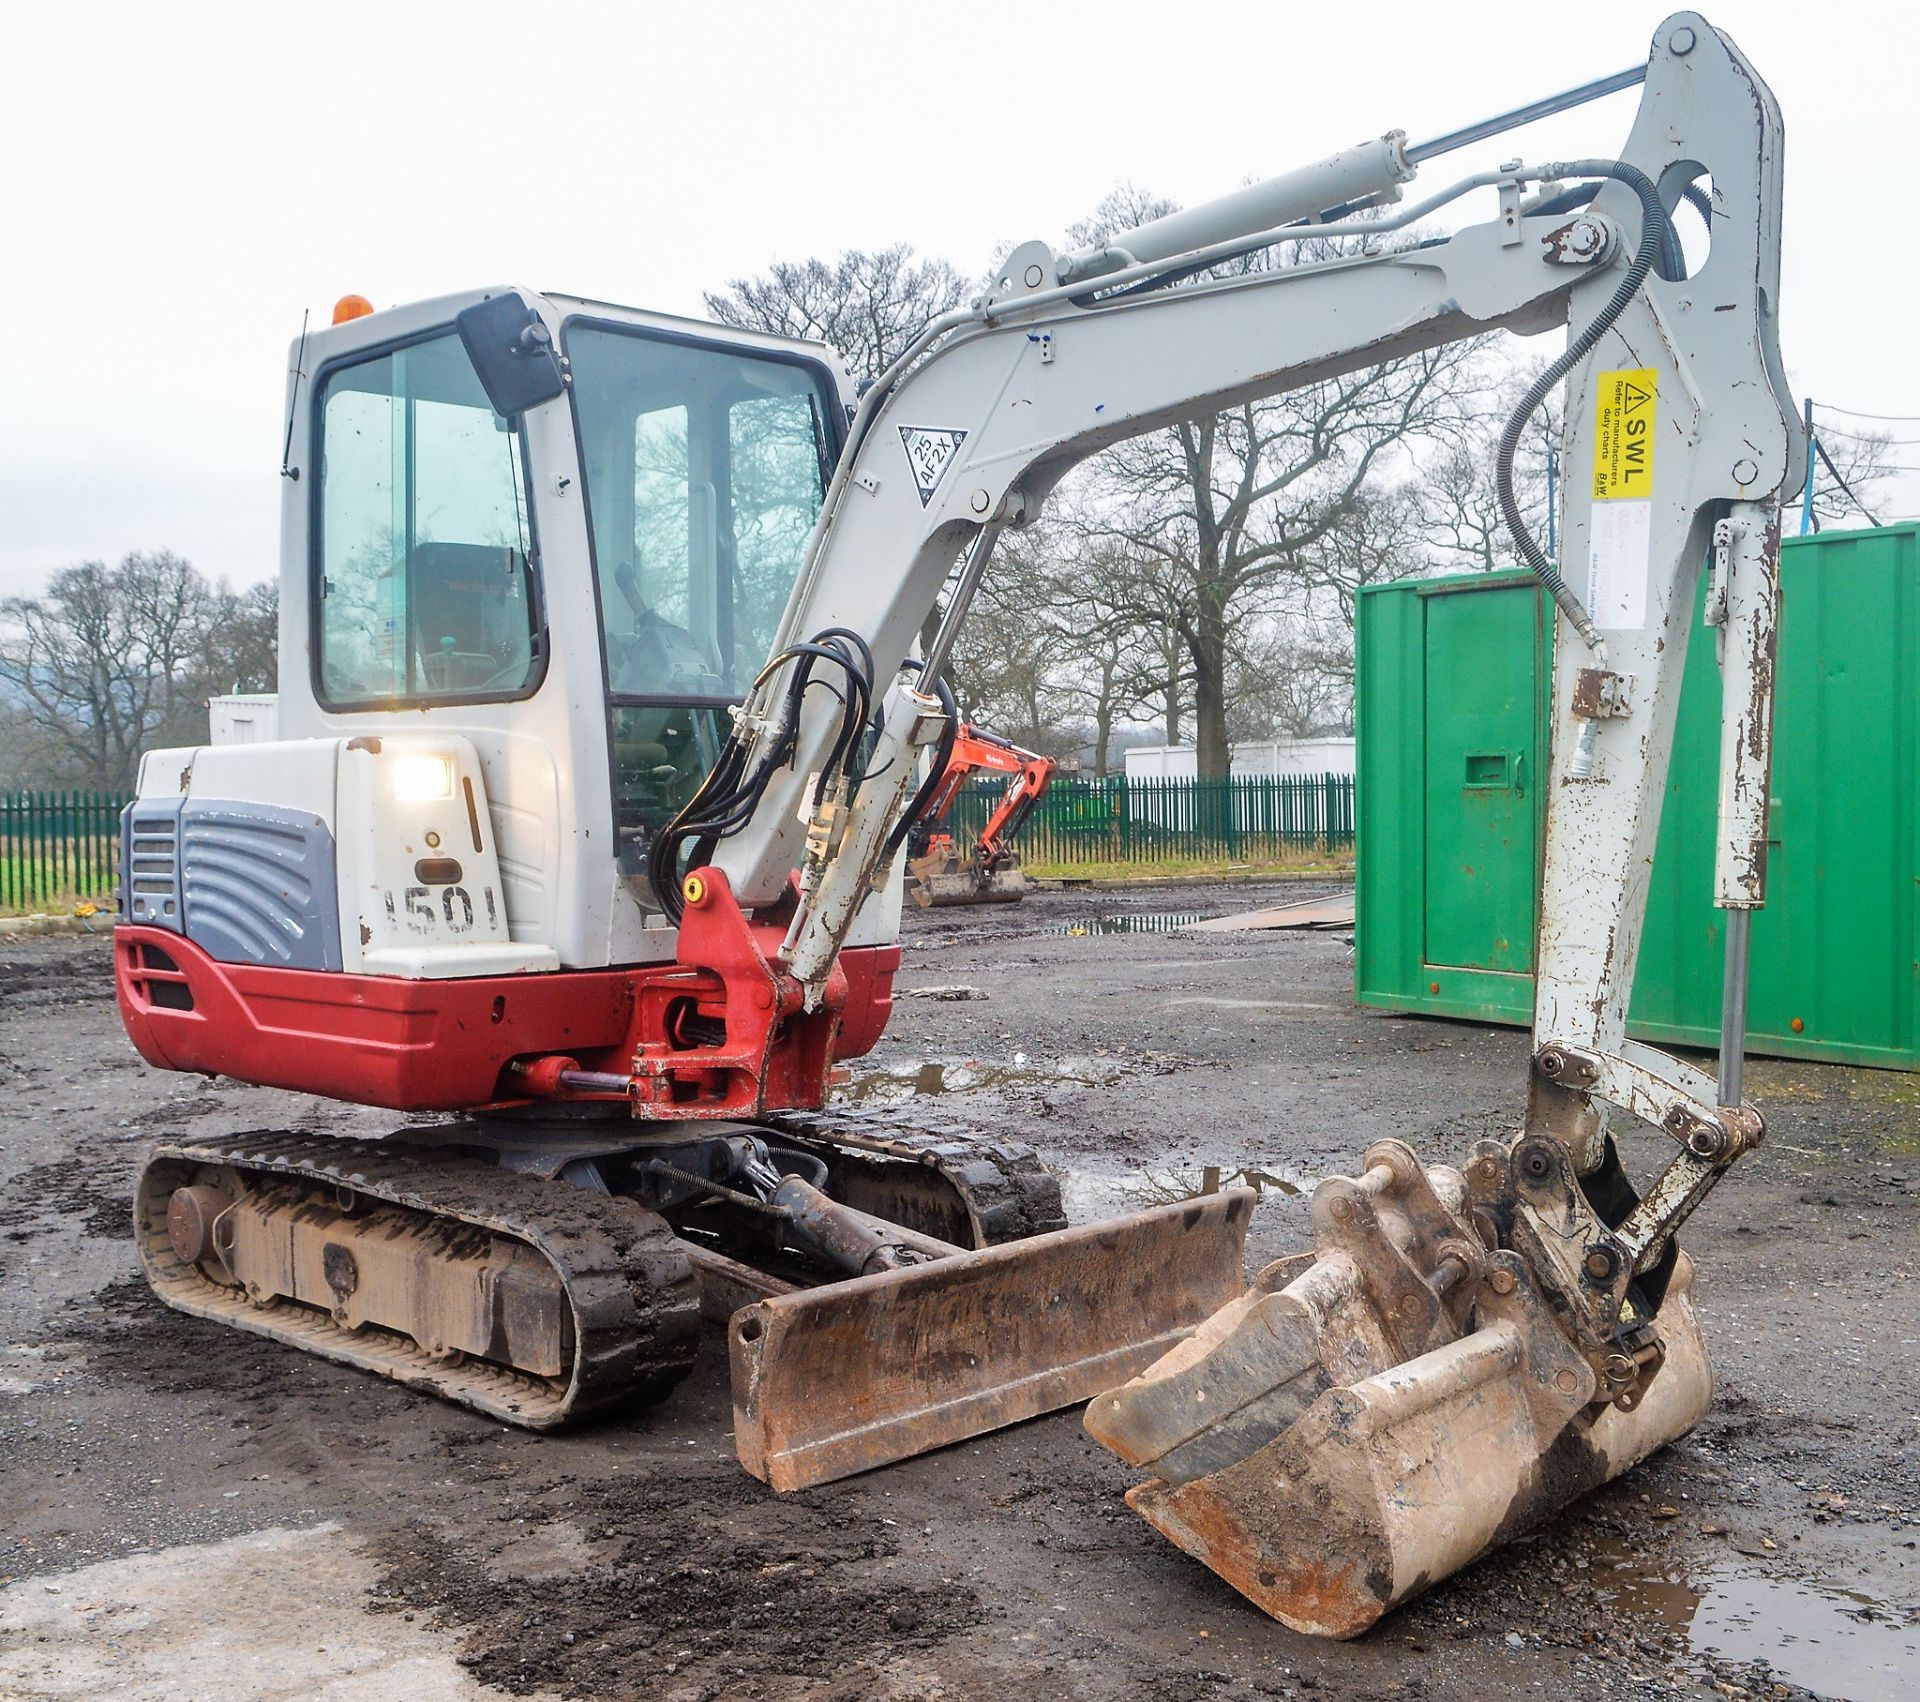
[[1248, 818], [58, 847], [63, 847]]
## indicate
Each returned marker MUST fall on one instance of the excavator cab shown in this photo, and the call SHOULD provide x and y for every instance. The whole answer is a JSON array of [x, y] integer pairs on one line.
[[536, 483]]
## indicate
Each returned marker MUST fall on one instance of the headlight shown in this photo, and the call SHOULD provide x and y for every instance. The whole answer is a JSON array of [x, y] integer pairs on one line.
[[418, 778]]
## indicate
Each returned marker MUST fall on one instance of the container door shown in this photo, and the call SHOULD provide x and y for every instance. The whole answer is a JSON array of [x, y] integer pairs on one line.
[[1835, 966], [1482, 771]]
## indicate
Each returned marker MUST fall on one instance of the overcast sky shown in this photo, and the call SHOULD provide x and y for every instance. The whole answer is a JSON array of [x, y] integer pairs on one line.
[[184, 180]]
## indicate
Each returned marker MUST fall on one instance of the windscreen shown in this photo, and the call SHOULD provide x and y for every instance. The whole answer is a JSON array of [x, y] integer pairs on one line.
[[705, 470]]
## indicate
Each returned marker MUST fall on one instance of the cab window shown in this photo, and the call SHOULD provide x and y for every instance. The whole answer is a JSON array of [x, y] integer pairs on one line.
[[423, 552], [705, 470]]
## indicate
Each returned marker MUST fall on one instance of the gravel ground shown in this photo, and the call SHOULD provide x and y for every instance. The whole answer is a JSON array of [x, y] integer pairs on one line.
[[142, 1453]]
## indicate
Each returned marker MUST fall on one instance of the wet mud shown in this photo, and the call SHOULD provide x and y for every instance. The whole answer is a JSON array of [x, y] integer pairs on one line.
[[1771, 1554]]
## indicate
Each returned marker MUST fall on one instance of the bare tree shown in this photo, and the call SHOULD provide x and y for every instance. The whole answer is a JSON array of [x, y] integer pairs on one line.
[[1848, 476], [114, 659], [1226, 508], [1292, 677], [869, 306], [1097, 603], [243, 644], [1228, 505], [1458, 502], [1379, 534], [1113, 669]]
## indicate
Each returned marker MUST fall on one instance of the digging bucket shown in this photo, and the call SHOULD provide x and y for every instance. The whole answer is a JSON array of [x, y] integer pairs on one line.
[[839, 1379], [1341, 1437]]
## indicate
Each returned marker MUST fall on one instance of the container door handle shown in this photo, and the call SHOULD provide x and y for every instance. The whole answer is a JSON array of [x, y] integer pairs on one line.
[[1519, 774]]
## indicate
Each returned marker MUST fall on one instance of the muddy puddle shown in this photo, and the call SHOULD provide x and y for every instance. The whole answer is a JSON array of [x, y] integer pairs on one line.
[[934, 1078], [1837, 1642], [1143, 922]]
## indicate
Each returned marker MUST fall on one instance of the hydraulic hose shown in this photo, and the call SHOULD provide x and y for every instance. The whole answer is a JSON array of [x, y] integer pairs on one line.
[[1655, 233], [936, 772], [726, 799]]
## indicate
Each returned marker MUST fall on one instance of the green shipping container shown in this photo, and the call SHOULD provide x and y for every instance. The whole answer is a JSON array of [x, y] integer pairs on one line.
[[1452, 683]]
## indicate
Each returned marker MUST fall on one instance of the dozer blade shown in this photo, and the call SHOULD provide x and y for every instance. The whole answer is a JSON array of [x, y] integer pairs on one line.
[[836, 1380], [1340, 1438]]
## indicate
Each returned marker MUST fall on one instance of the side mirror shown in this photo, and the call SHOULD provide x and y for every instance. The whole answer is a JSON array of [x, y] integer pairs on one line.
[[512, 351]]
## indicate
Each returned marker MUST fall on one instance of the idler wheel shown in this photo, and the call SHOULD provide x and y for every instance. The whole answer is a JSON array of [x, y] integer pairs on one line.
[[191, 1214]]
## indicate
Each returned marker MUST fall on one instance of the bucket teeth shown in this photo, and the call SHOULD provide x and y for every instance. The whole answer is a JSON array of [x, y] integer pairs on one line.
[[1345, 1434]]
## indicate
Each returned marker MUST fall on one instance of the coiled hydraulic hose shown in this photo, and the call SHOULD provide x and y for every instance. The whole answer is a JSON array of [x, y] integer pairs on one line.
[[1655, 233], [727, 798]]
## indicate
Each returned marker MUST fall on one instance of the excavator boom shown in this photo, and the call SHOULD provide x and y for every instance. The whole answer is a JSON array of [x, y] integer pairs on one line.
[[1467, 1352]]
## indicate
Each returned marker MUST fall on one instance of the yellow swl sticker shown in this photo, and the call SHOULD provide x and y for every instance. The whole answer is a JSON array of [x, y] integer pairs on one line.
[[1623, 433]]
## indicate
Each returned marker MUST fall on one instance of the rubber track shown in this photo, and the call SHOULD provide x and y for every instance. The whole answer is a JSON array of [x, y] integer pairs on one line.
[[634, 1300], [1009, 1193]]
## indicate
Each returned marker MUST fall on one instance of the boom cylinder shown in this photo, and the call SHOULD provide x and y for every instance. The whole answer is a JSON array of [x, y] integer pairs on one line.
[[1367, 174]]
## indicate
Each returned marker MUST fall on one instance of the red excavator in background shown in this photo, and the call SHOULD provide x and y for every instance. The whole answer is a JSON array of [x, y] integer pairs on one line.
[[937, 874]]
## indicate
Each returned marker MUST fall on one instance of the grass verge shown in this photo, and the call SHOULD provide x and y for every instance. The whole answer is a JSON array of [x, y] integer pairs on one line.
[[1334, 865]]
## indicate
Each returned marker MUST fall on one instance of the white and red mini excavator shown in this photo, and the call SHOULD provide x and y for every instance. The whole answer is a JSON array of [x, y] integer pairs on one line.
[[937, 874], [602, 708]]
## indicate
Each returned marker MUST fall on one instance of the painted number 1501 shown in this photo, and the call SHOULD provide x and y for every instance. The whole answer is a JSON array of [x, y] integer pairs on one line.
[[452, 910]]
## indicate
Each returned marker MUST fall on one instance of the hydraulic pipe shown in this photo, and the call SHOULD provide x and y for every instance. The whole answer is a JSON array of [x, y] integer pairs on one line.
[[976, 565]]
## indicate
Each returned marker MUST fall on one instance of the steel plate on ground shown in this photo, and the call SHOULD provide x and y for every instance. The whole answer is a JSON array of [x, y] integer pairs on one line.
[[1333, 912]]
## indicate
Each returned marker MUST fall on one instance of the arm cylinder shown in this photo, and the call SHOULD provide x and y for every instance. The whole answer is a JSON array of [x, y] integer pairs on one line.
[[1746, 548]]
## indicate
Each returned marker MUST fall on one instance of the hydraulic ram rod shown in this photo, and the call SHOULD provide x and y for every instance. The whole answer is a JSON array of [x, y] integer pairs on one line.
[[1545, 107]]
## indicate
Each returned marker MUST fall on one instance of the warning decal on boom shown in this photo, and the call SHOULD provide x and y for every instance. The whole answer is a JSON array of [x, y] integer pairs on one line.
[[1625, 400], [1622, 530], [928, 453]]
